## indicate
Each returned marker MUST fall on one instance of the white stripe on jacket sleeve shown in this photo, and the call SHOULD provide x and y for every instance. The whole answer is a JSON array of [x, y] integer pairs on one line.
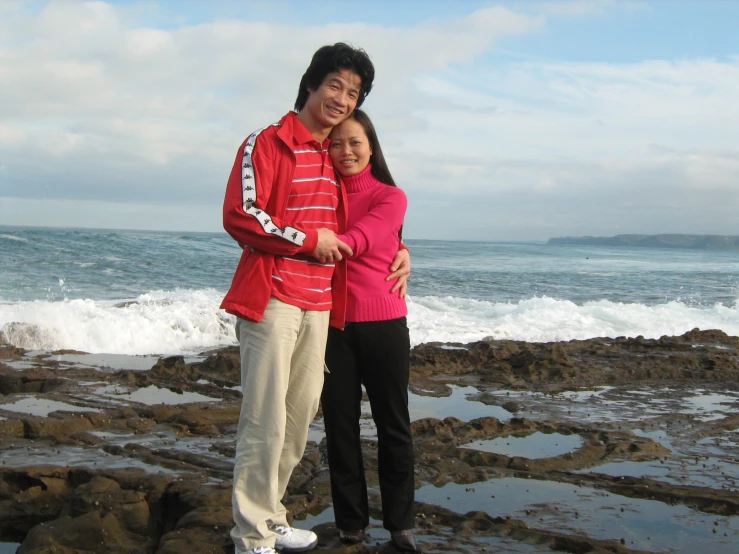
[[249, 197]]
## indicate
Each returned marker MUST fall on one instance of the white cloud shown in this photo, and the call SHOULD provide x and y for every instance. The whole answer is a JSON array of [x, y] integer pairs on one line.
[[99, 96], [99, 108]]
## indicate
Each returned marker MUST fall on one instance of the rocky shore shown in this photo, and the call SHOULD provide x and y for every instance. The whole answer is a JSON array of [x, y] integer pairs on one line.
[[605, 445]]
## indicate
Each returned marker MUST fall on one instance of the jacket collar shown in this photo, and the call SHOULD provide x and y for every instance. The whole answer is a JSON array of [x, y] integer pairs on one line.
[[292, 131]]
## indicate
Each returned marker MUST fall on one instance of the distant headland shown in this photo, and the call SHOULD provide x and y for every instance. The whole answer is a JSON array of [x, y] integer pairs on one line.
[[701, 242]]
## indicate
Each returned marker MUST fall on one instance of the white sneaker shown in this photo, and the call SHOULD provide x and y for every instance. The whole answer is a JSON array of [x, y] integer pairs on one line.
[[260, 550], [290, 539]]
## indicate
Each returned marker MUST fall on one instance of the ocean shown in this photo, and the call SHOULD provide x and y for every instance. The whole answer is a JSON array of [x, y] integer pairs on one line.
[[146, 292]]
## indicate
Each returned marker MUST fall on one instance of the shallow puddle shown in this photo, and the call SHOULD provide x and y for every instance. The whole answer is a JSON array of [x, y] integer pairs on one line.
[[310, 521], [715, 473], [642, 524], [152, 395], [710, 405], [419, 407], [614, 405], [657, 436], [26, 453], [709, 472], [106, 361], [21, 364], [585, 395], [630, 469], [586, 406], [316, 431], [377, 535], [42, 407], [456, 405], [535, 446], [8, 547]]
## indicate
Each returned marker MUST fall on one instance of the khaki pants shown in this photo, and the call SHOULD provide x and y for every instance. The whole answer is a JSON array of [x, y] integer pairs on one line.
[[282, 364]]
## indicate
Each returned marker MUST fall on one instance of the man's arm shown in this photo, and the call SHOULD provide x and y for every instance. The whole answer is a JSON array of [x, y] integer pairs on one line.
[[328, 249], [247, 192], [401, 270]]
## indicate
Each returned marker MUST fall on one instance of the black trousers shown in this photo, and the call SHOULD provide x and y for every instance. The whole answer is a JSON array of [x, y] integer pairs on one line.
[[376, 354]]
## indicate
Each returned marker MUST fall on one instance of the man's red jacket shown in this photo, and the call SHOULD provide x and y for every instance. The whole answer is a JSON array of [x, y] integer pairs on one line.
[[253, 214]]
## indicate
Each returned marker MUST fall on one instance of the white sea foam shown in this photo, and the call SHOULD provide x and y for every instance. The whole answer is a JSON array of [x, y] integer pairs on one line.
[[189, 321], [160, 322], [12, 237], [451, 319]]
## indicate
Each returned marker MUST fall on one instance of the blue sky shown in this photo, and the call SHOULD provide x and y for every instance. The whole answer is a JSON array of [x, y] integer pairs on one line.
[[501, 120]]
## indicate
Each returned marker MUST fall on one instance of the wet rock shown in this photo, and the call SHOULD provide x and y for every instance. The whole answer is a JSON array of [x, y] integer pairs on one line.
[[174, 368], [511, 406], [12, 428], [90, 532], [10, 381], [431, 389], [224, 365], [207, 421], [28, 497], [180, 502], [195, 540], [161, 413], [29, 380], [696, 354], [192, 492], [85, 437], [702, 498], [36, 427], [140, 424], [8, 351], [98, 419], [320, 485], [105, 496]]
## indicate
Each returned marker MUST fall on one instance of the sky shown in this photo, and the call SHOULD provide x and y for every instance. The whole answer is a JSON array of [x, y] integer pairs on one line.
[[519, 120]]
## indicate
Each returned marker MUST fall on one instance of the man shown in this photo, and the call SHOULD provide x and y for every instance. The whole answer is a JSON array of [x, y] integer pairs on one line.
[[284, 206]]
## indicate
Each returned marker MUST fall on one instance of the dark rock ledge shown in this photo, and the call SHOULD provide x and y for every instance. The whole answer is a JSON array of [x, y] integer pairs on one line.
[[135, 478]]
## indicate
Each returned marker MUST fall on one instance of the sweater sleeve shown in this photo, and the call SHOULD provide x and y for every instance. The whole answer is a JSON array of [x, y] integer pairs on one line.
[[247, 194], [383, 218]]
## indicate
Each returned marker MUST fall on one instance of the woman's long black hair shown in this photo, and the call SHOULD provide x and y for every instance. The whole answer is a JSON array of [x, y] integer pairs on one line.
[[379, 170]]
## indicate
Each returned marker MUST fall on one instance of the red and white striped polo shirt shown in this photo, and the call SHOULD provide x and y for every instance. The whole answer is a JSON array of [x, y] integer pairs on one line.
[[302, 280]]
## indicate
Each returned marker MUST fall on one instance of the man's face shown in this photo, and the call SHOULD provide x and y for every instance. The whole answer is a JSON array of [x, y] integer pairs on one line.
[[333, 101]]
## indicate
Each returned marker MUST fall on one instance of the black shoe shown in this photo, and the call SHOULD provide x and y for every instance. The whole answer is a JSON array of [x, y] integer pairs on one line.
[[351, 537], [404, 541]]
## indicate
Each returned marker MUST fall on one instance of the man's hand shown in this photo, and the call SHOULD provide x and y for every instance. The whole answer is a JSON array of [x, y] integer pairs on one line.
[[401, 270], [330, 248]]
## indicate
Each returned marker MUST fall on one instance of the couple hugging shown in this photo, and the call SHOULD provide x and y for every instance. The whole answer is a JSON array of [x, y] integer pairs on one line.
[[319, 296]]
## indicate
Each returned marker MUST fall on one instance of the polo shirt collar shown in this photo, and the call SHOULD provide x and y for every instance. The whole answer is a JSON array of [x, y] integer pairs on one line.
[[300, 133]]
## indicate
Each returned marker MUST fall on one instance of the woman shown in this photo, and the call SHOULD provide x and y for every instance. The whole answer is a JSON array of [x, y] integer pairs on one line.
[[373, 348]]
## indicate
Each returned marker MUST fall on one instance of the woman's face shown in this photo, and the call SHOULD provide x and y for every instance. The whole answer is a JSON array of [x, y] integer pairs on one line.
[[350, 149]]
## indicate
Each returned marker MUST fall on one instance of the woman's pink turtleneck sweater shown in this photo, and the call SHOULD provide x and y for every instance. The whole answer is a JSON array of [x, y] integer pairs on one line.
[[376, 213]]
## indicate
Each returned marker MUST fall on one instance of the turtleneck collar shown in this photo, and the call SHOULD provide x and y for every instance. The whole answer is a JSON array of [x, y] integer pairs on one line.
[[364, 180]]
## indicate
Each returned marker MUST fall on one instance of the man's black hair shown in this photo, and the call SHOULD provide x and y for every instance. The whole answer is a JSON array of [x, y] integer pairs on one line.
[[332, 58]]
